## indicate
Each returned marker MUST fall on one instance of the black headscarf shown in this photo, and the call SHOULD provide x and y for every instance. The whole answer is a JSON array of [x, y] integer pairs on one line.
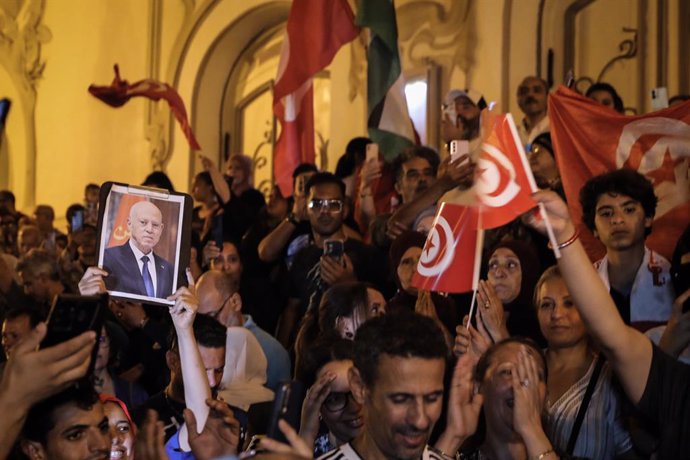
[[522, 319]]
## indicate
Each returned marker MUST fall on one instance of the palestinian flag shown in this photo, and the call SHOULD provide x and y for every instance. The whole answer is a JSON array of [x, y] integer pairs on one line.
[[389, 122]]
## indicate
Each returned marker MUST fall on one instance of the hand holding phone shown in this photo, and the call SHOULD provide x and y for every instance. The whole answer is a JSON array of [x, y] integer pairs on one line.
[[459, 148], [71, 315], [287, 405], [334, 249]]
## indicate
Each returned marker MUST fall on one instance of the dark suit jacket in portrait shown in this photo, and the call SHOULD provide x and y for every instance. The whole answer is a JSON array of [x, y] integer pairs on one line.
[[124, 274]]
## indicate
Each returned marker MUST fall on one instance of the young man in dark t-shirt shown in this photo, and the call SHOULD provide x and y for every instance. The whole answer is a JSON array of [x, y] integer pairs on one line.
[[311, 271]]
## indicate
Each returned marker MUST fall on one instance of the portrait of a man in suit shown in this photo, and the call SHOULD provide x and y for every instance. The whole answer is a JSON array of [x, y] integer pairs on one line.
[[133, 267]]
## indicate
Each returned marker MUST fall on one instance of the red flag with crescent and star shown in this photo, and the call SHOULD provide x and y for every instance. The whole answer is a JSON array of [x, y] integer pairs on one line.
[[120, 233], [590, 139], [504, 182], [447, 261]]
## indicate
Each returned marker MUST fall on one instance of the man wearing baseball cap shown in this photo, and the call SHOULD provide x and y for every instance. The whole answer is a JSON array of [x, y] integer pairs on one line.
[[461, 109]]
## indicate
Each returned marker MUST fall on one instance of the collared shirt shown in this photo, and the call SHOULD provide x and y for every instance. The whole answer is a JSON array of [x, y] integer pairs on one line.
[[528, 136], [652, 294], [346, 452], [151, 264]]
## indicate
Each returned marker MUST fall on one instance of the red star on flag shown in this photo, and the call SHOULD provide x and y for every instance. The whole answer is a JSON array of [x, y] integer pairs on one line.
[[665, 172]]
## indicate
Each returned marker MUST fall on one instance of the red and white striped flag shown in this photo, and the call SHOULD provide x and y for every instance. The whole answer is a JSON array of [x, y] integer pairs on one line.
[[316, 29]]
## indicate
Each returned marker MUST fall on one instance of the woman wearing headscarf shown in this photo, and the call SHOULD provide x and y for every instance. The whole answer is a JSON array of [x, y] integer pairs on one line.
[[122, 429], [513, 270], [404, 255]]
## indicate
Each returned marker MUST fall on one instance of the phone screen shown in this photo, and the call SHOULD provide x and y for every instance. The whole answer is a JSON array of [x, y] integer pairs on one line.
[[334, 249], [77, 221]]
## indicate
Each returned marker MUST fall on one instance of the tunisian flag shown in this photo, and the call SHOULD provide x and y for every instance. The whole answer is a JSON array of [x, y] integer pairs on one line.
[[316, 29], [120, 91], [447, 263], [590, 139], [504, 183]]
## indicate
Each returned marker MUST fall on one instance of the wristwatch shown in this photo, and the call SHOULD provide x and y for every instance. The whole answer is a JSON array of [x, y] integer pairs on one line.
[[292, 218]]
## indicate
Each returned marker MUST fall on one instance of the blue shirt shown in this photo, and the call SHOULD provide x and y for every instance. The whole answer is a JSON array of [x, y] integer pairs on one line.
[[277, 356]]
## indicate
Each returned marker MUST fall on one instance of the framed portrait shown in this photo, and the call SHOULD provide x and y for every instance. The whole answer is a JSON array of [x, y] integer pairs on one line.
[[143, 241]]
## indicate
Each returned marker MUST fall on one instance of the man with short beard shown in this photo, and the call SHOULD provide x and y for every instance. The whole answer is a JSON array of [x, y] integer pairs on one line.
[[532, 95], [420, 188], [461, 116], [397, 378]]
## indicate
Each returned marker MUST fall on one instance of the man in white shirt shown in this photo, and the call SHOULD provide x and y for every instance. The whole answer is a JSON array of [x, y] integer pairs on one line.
[[619, 207], [532, 95]]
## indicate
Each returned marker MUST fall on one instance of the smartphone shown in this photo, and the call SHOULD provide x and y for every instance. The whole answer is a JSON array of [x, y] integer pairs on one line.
[[77, 221], [5, 105], [372, 152], [217, 230], [71, 315], [659, 98], [334, 249], [287, 405], [458, 148], [300, 185]]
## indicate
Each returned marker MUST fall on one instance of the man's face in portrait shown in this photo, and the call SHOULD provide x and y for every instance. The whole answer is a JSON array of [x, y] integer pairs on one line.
[[145, 224]]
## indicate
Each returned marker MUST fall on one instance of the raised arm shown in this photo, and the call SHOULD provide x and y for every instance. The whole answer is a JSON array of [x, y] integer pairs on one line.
[[221, 187], [457, 174], [628, 350], [196, 386], [271, 247], [32, 375]]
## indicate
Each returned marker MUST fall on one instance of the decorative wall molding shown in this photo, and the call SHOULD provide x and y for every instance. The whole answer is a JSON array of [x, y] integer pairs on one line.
[[21, 39], [628, 50], [445, 27]]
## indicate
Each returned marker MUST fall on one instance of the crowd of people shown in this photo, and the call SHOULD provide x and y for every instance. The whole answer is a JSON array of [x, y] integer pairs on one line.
[[561, 359]]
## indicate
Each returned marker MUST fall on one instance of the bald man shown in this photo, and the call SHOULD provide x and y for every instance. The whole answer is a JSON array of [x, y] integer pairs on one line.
[[133, 267]]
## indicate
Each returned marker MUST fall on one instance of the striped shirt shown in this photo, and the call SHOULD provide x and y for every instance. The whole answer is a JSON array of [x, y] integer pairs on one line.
[[346, 452], [602, 435]]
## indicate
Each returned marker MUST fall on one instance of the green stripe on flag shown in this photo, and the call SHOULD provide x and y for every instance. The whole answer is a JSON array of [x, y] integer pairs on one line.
[[383, 70]]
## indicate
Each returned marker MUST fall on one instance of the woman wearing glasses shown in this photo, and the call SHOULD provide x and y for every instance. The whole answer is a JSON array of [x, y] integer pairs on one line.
[[330, 416]]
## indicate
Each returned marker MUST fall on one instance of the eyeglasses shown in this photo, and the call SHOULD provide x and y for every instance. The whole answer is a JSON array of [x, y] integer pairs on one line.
[[214, 314], [337, 400], [318, 204]]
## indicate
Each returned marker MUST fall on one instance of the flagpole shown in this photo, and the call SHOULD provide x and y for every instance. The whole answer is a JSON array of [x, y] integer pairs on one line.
[[477, 266], [533, 185]]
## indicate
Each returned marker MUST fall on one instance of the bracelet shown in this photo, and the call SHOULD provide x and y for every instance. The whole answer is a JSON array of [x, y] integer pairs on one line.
[[438, 451], [292, 219], [567, 242], [543, 454]]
